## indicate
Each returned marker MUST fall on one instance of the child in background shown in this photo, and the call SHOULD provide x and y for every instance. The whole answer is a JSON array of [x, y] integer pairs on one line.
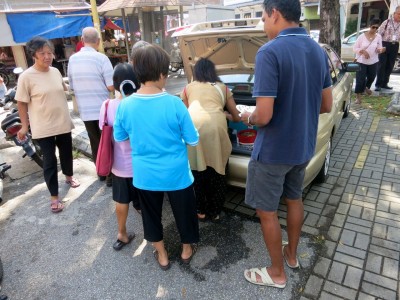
[[124, 192]]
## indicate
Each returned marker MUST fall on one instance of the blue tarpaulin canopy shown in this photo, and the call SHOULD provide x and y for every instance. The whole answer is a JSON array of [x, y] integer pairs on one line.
[[49, 25]]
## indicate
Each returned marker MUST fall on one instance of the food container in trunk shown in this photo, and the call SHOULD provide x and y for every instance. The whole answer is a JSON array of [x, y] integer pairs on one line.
[[247, 136]]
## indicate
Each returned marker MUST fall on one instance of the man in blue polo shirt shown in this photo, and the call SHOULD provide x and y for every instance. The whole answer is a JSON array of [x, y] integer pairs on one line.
[[292, 87]]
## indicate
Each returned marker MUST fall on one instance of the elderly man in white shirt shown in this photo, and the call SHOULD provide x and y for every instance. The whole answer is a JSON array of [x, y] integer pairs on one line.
[[90, 77]]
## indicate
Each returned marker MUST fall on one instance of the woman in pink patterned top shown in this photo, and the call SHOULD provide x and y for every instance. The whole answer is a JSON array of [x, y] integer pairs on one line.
[[367, 48], [124, 192]]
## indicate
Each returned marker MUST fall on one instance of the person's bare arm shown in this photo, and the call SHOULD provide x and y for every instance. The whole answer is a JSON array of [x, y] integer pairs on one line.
[[327, 101], [262, 114], [233, 112], [184, 98], [23, 115]]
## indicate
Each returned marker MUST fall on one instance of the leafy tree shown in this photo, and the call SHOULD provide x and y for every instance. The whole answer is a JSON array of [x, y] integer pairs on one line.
[[330, 24]]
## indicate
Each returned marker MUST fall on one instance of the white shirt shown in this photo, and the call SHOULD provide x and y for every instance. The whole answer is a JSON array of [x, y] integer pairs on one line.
[[89, 74]]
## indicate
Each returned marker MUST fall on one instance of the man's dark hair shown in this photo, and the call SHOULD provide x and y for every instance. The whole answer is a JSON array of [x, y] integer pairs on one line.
[[204, 71], [124, 71], [37, 43], [150, 62], [374, 22], [290, 9]]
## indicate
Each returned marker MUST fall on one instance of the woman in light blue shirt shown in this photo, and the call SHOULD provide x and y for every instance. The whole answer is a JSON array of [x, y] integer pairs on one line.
[[159, 127]]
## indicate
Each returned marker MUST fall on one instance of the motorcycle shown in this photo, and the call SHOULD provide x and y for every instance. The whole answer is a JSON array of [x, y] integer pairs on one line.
[[176, 66], [176, 62], [7, 102], [12, 124], [3, 169]]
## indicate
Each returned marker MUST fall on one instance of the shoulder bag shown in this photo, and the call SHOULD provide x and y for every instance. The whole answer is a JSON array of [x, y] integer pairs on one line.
[[105, 154]]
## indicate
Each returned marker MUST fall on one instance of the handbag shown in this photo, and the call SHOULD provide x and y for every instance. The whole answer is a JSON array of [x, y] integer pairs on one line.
[[105, 154]]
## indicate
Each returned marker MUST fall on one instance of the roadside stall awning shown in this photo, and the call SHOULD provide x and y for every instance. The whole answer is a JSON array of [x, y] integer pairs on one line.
[[6, 37], [48, 24], [109, 24], [113, 7]]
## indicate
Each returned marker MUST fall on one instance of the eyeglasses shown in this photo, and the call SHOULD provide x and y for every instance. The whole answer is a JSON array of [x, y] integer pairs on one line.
[[374, 27]]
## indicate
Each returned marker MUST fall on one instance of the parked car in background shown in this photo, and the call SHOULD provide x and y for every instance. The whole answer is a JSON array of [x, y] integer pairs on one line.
[[347, 45], [314, 35], [348, 54], [232, 46]]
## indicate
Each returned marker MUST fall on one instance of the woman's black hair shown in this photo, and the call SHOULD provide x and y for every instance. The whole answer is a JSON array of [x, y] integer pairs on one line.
[[124, 71], [37, 43], [149, 62], [204, 71], [375, 22], [289, 9]]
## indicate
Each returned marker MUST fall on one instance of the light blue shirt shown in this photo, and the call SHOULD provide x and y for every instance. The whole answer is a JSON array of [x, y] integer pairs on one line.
[[159, 127], [89, 75]]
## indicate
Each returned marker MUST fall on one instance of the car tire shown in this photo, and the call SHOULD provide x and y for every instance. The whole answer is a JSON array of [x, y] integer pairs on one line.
[[323, 173], [396, 68], [346, 109]]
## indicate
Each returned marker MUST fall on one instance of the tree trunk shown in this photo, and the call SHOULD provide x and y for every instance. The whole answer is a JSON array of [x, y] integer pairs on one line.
[[330, 24]]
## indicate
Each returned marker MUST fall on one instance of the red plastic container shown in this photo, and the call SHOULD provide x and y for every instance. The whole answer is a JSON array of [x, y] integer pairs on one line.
[[247, 136]]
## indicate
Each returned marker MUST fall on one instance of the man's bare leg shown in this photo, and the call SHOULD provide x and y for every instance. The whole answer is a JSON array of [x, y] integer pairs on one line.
[[271, 230], [295, 217]]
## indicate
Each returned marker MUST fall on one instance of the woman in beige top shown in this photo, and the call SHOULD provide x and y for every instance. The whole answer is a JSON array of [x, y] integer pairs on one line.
[[41, 94], [206, 98]]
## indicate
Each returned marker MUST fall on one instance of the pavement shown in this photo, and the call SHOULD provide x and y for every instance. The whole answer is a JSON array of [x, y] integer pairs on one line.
[[355, 215], [349, 248]]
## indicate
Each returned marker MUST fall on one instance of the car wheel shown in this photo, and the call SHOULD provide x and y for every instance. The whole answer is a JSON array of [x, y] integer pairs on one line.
[[346, 109], [396, 68], [323, 173]]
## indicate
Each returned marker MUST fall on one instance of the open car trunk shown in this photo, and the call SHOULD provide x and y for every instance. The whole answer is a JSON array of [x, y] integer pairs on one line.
[[232, 46]]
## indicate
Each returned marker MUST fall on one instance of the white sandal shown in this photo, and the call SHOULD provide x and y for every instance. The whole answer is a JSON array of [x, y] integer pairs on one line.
[[265, 278], [296, 266]]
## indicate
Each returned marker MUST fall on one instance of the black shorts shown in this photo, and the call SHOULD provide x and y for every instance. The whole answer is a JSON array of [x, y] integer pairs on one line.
[[123, 191]]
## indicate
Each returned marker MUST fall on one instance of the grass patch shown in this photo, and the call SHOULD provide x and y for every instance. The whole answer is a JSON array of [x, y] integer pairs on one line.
[[378, 104], [76, 154]]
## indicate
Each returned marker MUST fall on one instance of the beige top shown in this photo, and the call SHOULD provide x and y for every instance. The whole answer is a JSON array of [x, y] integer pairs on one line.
[[206, 107], [47, 104]]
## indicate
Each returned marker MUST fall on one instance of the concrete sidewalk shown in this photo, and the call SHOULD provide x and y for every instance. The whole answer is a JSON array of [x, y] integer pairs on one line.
[[353, 218]]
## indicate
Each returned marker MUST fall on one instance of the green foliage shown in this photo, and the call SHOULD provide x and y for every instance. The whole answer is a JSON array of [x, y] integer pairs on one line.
[[76, 154], [377, 103], [351, 27]]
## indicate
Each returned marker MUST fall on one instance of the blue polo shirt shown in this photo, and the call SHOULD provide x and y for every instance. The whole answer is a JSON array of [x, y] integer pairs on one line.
[[293, 69]]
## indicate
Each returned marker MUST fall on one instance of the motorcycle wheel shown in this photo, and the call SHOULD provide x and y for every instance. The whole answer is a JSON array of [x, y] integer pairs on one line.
[[37, 160], [38, 156]]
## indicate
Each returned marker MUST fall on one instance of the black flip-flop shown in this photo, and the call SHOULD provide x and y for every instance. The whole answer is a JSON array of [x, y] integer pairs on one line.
[[164, 268], [194, 250], [118, 245]]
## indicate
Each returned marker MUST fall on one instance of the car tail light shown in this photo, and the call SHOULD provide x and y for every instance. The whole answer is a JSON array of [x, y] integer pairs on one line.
[[13, 130]]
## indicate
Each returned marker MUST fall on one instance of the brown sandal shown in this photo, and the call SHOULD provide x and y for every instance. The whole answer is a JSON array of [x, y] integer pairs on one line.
[[56, 206]]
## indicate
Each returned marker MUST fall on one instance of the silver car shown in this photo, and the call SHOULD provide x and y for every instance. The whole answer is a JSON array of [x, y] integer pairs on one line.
[[232, 45]]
